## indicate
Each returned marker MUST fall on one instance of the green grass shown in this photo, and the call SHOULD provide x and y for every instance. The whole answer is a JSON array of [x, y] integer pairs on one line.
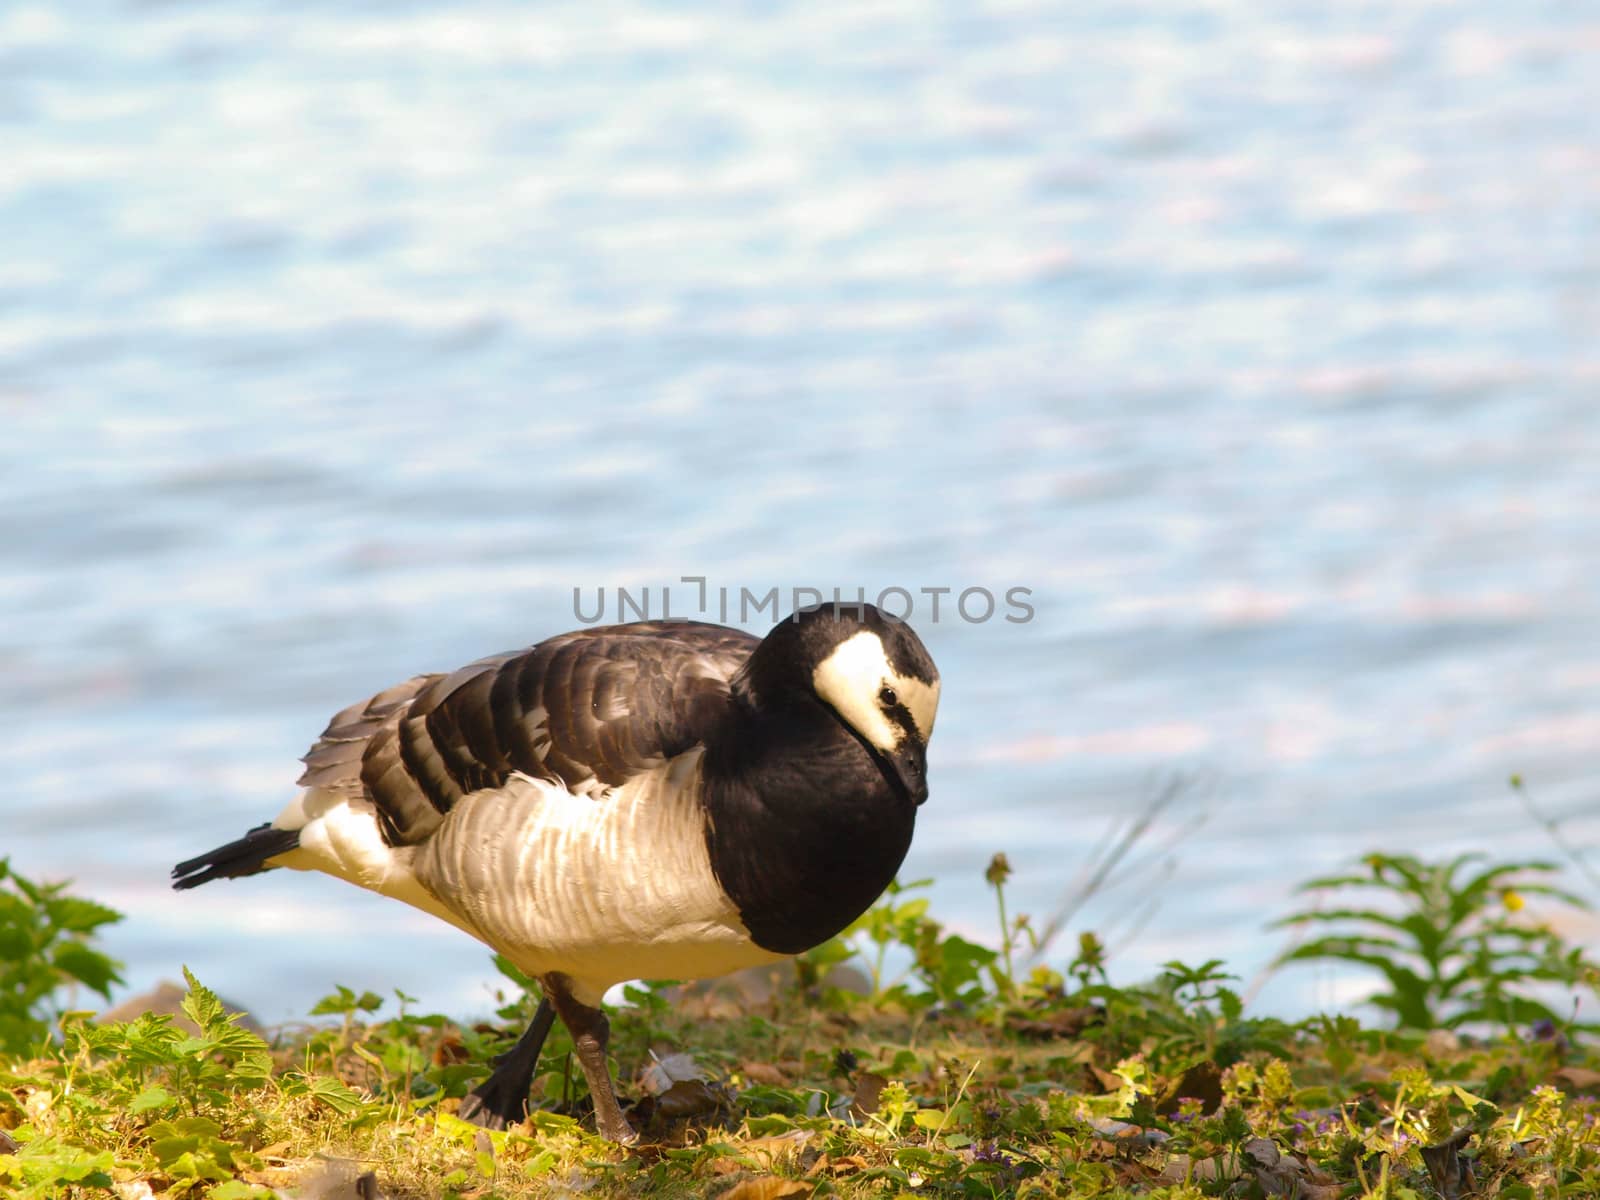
[[958, 1079]]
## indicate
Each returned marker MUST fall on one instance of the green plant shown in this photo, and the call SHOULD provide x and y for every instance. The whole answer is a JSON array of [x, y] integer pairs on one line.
[[1205, 1004], [1004, 973], [984, 1099], [1185, 1017], [44, 948], [175, 1071], [1088, 965], [1452, 939], [948, 966], [186, 1105]]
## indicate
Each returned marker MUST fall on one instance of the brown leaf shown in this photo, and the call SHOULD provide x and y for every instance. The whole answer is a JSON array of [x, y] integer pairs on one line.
[[1441, 1043], [1577, 1079], [8, 1144], [1202, 1082], [760, 1072], [869, 1086], [1262, 1152], [766, 1187], [1061, 1023], [1451, 1174], [449, 1051], [1133, 1138], [687, 1098], [770, 1151], [663, 1072], [1105, 1079]]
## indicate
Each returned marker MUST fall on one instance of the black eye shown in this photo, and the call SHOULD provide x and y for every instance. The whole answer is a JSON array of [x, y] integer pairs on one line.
[[888, 697]]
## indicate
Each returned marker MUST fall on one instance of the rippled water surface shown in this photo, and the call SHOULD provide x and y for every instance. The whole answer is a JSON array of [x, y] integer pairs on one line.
[[1257, 340]]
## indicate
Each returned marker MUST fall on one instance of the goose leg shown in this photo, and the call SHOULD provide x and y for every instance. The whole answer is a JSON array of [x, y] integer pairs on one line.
[[502, 1099], [590, 1031]]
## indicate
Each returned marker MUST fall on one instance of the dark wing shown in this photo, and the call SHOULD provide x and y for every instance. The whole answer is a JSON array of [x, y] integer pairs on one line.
[[588, 710]]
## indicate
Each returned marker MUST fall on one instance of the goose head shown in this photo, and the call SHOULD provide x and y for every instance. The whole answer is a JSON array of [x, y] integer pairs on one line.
[[869, 670]]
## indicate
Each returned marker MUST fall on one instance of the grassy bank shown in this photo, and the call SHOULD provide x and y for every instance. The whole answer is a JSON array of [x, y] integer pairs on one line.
[[970, 1076]]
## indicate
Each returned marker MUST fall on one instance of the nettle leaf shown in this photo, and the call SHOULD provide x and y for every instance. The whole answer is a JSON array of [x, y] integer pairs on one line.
[[91, 1170], [344, 1002], [198, 1167], [150, 1098], [1470, 1100], [168, 1150], [76, 915], [36, 895], [235, 1040], [1231, 1006], [183, 1127], [192, 1047], [337, 1096], [88, 967], [238, 1189], [912, 910], [149, 1038], [201, 1004], [16, 936], [832, 951]]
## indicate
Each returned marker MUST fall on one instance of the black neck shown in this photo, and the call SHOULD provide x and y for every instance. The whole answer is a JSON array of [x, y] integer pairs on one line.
[[804, 829]]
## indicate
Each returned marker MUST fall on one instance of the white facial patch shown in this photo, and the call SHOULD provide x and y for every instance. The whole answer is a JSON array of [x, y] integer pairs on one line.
[[921, 699], [851, 678]]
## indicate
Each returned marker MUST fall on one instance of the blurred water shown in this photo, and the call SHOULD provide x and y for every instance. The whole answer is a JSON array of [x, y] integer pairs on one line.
[[1256, 339]]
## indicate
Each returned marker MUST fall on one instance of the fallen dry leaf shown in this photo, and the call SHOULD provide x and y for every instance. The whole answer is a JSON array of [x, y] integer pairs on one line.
[[1577, 1079], [1275, 1174], [760, 1072], [1202, 1082], [1105, 1079], [770, 1151], [1441, 1043], [338, 1179], [766, 1187], [1134, 1138], [1062, 1023], [449, 1051], [662, 1073], [1451, 1174], [689, 1098], [869, 1086]]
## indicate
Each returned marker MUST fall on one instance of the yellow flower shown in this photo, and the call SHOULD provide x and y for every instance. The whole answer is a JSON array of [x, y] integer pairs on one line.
[[1512, 900]]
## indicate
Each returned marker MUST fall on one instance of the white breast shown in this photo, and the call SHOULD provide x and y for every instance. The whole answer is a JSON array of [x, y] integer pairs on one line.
[[601, 888]]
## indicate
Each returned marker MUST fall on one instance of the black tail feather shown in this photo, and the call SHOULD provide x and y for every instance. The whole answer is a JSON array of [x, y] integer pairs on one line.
[[247, 856]]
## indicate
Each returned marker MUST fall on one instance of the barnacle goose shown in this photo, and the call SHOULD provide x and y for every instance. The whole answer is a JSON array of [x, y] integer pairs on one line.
[[655, 800]]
